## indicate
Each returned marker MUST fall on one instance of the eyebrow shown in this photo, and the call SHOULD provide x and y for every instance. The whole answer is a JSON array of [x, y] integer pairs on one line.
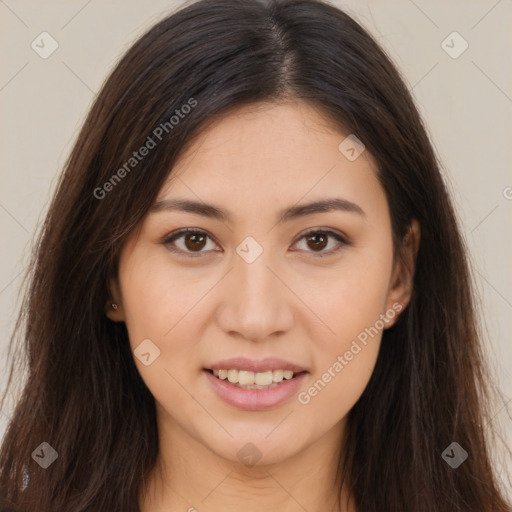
[[287, 214]]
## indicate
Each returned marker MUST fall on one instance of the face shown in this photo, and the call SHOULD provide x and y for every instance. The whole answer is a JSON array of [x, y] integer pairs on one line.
[[312, 287]]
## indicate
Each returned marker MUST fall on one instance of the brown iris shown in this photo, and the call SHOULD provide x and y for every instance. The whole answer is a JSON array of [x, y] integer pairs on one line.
[[195, 241], [319, 241]]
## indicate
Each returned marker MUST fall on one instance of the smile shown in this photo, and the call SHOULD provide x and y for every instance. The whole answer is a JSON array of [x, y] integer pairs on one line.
[[257, 380], [253, 396]]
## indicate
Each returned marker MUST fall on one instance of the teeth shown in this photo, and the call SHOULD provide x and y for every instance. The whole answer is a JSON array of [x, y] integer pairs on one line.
[[233, 376], [277, 375], [260, 378], [245, 378]]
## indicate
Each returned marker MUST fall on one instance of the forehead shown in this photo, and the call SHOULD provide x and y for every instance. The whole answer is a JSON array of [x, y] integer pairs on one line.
[[271, 155]]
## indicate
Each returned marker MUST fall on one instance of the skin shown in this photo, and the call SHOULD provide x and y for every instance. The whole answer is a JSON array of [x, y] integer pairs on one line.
[[288, 303]]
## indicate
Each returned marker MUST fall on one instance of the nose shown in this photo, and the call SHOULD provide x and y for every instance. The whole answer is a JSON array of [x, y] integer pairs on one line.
[[256, 304]]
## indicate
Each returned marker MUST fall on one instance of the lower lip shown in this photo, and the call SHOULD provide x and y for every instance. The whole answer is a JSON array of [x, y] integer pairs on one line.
[[255, 399]]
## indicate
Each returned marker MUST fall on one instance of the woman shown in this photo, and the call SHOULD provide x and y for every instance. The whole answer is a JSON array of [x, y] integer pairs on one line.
[[250, 289]]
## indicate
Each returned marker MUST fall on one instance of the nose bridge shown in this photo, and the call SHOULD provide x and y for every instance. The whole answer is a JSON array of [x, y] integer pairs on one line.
[[256, 304], [257, 284]]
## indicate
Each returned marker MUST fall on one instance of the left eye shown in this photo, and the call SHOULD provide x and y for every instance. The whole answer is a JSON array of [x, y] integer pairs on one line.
[[319, 239], [194, 241]]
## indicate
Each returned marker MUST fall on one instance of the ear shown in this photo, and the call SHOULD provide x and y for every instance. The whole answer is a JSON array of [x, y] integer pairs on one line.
[[401, 284], [114, 314]]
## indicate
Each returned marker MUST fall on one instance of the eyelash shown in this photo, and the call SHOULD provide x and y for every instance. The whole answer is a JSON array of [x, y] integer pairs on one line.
[[169, 239]]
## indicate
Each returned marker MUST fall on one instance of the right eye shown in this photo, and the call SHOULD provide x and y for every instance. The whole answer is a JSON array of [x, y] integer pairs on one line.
[[192, 242]]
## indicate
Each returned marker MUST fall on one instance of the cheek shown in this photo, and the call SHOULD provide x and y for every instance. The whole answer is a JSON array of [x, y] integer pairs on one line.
[[350, 304], [163, 306], [343, 364], [156, 298], [349, 298]]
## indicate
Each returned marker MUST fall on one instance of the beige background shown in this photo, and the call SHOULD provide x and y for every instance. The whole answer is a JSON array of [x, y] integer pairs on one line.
[[467, 103]]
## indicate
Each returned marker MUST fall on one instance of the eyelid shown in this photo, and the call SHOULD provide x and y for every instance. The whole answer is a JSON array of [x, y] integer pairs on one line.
[[171, 237]]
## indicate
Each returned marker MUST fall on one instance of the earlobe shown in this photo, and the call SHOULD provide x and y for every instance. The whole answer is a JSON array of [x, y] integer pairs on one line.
[[402, 281], [114, 306]]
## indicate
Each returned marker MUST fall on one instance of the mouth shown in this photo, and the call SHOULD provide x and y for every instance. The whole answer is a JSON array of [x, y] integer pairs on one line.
[[254, 380], [255, 391]]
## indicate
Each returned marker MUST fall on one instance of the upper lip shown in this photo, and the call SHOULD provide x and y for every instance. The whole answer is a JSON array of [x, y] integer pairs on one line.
[[260, 365]]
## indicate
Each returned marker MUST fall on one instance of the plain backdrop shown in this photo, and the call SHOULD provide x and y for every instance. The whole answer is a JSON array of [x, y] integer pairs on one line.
[[464, 95]]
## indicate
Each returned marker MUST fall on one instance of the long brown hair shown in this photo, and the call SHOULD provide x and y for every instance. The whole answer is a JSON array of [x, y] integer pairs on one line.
[[83, 394]]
